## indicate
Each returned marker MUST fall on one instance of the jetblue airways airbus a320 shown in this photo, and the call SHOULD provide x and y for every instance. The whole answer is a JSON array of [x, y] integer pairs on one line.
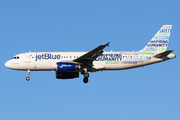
[[68, 64]]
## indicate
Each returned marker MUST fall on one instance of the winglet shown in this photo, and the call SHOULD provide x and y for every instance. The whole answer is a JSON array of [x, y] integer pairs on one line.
[[107, 44]]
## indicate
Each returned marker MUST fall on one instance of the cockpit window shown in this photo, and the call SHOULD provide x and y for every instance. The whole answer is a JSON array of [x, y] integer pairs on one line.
[[16, 57]]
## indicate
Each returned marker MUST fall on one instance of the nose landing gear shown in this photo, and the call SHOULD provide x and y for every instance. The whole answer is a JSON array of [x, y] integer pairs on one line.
[[28, 73]]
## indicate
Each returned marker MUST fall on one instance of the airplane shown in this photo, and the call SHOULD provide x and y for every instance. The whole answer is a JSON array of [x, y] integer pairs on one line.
[[68, 65]]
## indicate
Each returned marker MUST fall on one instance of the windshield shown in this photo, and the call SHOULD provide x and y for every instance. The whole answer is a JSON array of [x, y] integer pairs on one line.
[[15, 57]]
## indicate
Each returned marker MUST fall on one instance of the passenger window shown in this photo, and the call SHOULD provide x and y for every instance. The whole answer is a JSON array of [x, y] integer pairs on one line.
[[18, 57]]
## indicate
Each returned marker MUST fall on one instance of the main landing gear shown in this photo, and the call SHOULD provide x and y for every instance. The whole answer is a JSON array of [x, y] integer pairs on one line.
[[28, 73], [86, 76]]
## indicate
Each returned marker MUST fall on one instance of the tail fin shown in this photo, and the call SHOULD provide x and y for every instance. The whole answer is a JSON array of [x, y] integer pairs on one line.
[[159, 42]]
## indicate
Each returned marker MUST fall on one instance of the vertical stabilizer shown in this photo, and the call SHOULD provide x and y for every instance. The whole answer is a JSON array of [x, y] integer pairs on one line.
[[159, 42]]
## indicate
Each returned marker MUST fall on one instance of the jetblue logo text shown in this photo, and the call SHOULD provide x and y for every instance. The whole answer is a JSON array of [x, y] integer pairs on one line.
[[47, 56]]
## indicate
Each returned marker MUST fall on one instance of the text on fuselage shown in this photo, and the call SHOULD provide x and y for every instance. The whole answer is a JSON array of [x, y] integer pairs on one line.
[[47, 56]]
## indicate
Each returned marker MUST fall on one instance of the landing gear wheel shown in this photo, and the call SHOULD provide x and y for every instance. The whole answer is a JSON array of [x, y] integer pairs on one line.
[[28, 73], [85, 80], [86, 75], [27, 78]]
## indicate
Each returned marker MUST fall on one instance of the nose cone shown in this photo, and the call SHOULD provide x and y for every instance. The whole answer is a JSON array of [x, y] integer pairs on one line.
[[7, 64]]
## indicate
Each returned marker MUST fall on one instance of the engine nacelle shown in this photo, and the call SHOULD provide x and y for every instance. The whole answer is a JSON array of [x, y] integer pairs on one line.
[[66, 75], [66, 66]]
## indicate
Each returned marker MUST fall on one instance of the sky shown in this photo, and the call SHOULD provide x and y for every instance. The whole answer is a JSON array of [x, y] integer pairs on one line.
[[147, 93]]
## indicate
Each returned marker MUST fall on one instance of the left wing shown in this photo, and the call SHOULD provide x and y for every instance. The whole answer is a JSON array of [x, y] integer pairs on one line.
[[89, 57]]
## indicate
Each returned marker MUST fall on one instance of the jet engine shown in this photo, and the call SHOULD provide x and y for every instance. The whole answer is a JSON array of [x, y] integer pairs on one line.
[[66, 75], [66, 66]]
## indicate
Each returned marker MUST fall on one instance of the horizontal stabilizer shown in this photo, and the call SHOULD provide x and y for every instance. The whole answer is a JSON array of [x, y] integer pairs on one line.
[[163, 54]]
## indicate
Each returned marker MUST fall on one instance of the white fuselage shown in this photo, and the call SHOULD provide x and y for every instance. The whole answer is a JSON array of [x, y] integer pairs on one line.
[[47, 61]]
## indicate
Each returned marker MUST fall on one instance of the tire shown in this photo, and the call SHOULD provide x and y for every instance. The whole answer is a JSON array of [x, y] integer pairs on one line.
[[85, 80], [86, 75], [27, 78]]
